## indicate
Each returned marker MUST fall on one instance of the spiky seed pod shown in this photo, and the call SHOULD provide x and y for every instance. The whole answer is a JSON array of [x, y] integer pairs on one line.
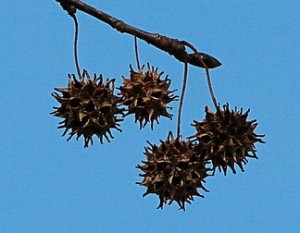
[[173, 171], [226, 138], [88, 108], [146, 95]]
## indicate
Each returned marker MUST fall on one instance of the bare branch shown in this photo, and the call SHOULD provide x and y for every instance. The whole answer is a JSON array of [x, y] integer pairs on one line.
[[172, 46]]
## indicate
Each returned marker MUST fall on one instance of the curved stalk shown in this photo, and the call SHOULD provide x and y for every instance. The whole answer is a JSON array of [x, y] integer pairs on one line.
[[136, 53], [76, 45], [211, 91], [185, 77]]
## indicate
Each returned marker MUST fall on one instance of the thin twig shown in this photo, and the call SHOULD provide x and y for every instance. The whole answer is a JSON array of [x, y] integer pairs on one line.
[[185, 77], [172, 46], [136, 53], [211, 91], [76, 45]]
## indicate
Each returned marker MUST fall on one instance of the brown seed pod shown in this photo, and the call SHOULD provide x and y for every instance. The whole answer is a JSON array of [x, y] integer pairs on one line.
[[173, 171], [146, 95], [88, 108], [226, 138]]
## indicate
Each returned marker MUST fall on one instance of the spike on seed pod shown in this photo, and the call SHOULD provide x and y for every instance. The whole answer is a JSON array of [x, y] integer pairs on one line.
[[89, 107], [173, 172], [226, 138], [146, 95]]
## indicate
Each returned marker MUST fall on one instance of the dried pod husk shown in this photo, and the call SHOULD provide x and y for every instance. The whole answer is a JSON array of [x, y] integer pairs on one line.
[[89, 107], [173, 171], [226, 138], [146, 95]]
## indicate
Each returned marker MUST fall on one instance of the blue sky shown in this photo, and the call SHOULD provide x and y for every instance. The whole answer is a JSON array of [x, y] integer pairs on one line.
[[49, 185]]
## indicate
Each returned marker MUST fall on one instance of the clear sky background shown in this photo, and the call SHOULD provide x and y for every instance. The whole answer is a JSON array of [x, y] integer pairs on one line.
[[48, 185]]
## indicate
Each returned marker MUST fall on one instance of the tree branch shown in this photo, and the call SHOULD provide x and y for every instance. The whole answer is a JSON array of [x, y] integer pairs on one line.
[[172, 46]]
